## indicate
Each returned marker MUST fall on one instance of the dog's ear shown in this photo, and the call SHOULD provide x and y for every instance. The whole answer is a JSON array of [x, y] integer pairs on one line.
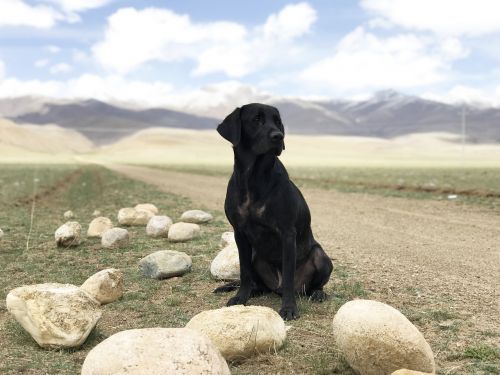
[[230, 128]]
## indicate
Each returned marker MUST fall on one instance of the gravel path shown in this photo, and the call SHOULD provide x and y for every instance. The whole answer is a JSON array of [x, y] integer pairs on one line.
[[422, 254]]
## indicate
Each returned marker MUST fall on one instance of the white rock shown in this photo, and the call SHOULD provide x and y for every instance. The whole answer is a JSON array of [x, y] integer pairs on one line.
[[227, 239], [151, 351], [377, 339], [69, 215], [410, 372], [55, 315], [115, 237], [105, 286], [96, 213], [241, 331], [196, 217], [226, 265], [164, 264], [68, 234], [158, 226], [131, 216], [147, 207], [179, 232], [98, 226], [1, 233]]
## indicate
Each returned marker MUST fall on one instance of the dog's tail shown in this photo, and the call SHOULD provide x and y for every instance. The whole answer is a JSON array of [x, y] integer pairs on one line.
[[229, 287]]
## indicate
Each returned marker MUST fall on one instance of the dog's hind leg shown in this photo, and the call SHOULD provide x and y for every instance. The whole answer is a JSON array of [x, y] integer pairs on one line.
[[313, 274]]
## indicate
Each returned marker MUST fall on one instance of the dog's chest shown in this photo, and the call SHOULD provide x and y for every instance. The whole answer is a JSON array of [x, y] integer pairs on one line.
[[248, 209]]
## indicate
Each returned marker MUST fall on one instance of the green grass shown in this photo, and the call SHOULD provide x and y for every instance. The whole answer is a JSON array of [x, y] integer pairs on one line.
[[146, 303]]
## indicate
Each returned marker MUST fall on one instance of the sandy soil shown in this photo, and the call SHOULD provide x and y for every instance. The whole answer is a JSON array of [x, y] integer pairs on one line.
[[428, 255]]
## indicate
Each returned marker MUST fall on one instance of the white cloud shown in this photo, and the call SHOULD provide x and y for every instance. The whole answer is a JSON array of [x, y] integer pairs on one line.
[[228, 47], [18, 13], [448, 17], [53, 49], [41, 63], [2, 70], [45, 15], [61, 68], [363, 61]]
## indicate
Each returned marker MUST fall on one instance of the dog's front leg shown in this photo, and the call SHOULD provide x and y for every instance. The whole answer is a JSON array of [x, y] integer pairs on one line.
[[246, 281], [289, 308]]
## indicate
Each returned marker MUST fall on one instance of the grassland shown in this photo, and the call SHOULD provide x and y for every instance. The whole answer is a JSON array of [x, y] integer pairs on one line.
[[171, 303]]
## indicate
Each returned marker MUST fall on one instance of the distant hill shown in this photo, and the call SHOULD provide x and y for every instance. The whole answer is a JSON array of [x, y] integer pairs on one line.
[[387, 114]]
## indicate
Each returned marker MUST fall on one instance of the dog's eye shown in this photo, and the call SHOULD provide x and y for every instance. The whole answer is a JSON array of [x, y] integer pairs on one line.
[[258, 118]]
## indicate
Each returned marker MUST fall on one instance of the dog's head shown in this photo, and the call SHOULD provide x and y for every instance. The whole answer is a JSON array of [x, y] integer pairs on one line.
[[256, 127]]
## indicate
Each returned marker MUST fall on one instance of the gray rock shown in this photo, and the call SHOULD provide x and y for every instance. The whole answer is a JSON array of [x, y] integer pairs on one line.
[[226, 265], [158, 226], [151, 351], [164, 264], [115, 237], [180, 232], [69, 215], [196, 217], [226, 239], [147, 207], [68, 234], [1, 233], [131, 216], [96, 213]]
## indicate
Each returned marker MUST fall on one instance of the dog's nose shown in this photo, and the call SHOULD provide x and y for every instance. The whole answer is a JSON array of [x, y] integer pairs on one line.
[[276, 136]]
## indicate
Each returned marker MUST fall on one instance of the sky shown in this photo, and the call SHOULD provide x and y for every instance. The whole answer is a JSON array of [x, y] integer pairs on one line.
[[197, 53]]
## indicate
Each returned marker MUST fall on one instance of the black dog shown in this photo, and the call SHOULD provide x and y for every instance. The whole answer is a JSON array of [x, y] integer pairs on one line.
[[271, 219]]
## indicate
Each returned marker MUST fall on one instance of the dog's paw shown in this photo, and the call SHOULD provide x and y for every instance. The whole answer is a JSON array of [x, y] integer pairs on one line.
[[236, 300], [289, 313], [318, 296]]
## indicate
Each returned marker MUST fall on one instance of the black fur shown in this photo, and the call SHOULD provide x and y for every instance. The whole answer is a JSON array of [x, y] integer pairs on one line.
[[271, 219]]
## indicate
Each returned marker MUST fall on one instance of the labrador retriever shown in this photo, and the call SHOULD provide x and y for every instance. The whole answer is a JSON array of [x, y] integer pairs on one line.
[[271, 219]]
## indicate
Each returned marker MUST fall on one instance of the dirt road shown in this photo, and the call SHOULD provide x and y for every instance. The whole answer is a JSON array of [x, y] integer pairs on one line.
[[421, 254]]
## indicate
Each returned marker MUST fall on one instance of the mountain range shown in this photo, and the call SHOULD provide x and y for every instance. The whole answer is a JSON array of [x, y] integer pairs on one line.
[[386, 114]]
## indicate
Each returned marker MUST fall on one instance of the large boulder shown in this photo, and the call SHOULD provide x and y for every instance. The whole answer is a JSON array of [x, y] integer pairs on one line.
[[376, 339], [410, 372], [155, 351], [180, 232], [226, 239], [131, 216], [164, 264], [98, 226], [147, 207], [55, 315], [241, 331], [226, 264], [196, 217], [115, 238], [158, 226], [105, 286], [68, 234]]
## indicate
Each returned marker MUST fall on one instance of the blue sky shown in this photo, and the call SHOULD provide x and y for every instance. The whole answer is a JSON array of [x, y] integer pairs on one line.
[[198, 54]]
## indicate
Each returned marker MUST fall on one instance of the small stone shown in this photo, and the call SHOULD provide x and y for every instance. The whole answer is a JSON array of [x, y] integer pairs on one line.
[[158, 226], [150, 351], [164, 264], [196, 217], [115, 237], [241, 331], [377, 339], [226, 265], [96, 213], [68, 234], [1, 233], [179, 232], [105, 286], [55, 315], [147, 207], [69, 215], [227, 239], [98, 226], [131, 216]]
